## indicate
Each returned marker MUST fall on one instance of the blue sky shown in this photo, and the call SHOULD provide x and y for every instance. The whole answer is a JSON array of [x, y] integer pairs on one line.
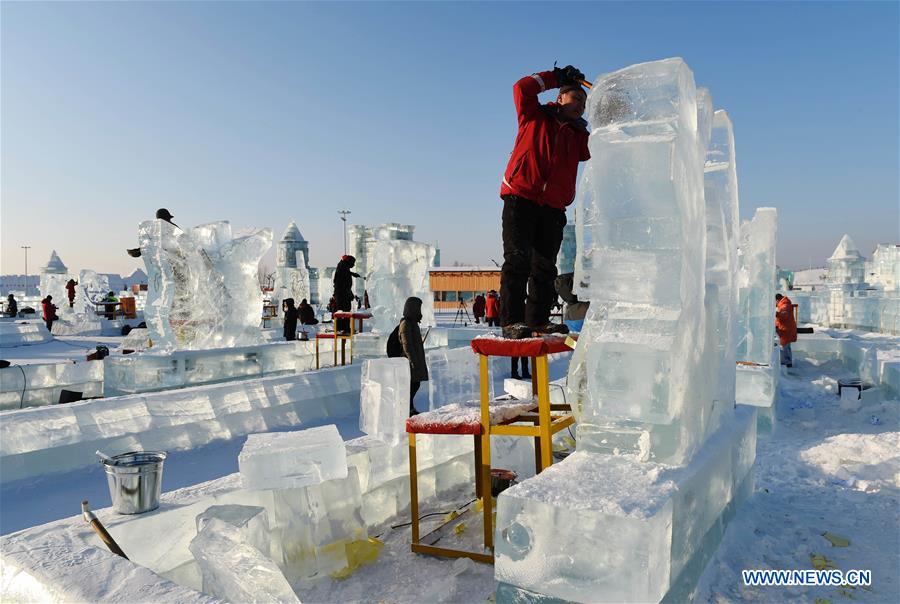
[[260, 113]]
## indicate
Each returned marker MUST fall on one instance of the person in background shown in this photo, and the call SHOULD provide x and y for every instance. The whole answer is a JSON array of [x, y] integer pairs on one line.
[[538, 185], [49, 312], [12, 307], [291, 314], [70, 291], [786, 327], [109, 305], [307, 314], [413, 347], [492, 309], [478, 308], [514, 374], [343, 290]]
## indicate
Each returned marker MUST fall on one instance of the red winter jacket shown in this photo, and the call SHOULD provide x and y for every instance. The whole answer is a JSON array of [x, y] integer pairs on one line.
[[543, 166], [492, 306], [785, 325]]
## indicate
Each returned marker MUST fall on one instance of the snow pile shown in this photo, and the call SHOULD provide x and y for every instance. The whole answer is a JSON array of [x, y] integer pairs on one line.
[[866, 462]]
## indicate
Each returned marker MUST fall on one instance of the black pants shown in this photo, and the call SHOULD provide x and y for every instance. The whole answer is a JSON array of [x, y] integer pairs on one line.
[[514, 366], [343, 301], [492, 322], [49, 323], [532, 235], [413, 388]]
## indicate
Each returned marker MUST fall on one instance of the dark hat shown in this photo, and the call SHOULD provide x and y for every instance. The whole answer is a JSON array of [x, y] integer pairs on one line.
[[163, 214], [570, 88]]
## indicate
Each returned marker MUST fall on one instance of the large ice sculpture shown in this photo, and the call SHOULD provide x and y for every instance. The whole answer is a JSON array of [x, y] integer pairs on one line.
[[642, 240], [54, 276], [663, 457], [203, 290], [757, 287], [399, 270], [292, 268], [91, 287], [384, 399]]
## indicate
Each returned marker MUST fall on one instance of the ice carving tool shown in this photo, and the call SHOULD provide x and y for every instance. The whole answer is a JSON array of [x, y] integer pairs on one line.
[[585, 83], [101, 531]]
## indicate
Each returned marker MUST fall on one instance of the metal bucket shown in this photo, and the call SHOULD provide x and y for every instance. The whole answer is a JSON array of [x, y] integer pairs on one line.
[[135, 480]]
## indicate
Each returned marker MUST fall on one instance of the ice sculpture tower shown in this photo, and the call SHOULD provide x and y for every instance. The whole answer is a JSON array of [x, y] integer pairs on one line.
[[663, 457], [846, 265], [54, 276], [292, 278], [202, 284]]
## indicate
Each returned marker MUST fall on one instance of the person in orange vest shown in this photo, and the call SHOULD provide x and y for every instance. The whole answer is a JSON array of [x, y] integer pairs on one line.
[[786, 327], [492, 309]]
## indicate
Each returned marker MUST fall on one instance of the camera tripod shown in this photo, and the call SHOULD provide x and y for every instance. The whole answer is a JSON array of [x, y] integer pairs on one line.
[[462, 314]]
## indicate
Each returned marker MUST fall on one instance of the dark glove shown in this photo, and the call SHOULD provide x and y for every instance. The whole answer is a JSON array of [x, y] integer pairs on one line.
[[567, 75]]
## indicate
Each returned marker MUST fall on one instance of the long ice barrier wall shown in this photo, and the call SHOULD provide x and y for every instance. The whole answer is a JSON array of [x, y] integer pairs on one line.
[[881, 370], [63, 437]]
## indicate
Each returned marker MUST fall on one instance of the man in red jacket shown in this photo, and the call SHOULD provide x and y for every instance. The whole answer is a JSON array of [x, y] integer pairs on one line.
[[538, 184], [785, 327]]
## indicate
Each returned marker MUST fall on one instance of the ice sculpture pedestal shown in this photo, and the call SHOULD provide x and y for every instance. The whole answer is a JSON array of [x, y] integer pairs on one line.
[[650, 529]]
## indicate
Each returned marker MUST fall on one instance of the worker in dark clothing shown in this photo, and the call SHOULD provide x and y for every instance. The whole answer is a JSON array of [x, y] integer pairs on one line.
[[478, 307], [291, 314], [49, 312], [161, 214], [343, 290], [538, 185], [12, 307], [307, 314], [413, 347], [70, 291]]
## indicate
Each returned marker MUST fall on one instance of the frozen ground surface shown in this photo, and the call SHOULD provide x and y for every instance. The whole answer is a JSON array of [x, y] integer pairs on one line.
[[824, 470], [59, 350]]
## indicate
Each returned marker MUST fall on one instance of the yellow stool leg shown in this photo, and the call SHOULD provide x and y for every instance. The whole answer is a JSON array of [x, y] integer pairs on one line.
[[543, 382], [413, 488], [486, 454]]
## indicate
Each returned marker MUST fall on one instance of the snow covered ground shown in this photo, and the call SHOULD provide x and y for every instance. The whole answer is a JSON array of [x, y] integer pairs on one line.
[[823, 471]]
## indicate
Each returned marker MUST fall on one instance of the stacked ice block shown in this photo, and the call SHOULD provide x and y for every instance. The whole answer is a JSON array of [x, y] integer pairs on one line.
[[91, 286], [384, 399], [757, 355], [203, 288], [399, 271], [663, 458], [234, 570], [292, 459]]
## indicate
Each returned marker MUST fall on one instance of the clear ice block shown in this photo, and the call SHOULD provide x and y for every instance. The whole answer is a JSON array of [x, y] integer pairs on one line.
[[292, 459], [236, 571], [399, 270], [251, 520], [756, 331], [384, 399]]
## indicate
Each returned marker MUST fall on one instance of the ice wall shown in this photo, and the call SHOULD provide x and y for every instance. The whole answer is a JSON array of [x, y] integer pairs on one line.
[[202, 284], [756, 331], [399, 270], [642, 242], [723, 232]]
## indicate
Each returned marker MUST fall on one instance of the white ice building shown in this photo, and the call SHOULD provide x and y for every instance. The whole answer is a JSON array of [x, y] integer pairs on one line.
[[54, 276]]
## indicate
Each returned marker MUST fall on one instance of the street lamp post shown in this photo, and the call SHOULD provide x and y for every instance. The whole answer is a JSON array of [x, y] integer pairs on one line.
[[344, 214], [26, 248]]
